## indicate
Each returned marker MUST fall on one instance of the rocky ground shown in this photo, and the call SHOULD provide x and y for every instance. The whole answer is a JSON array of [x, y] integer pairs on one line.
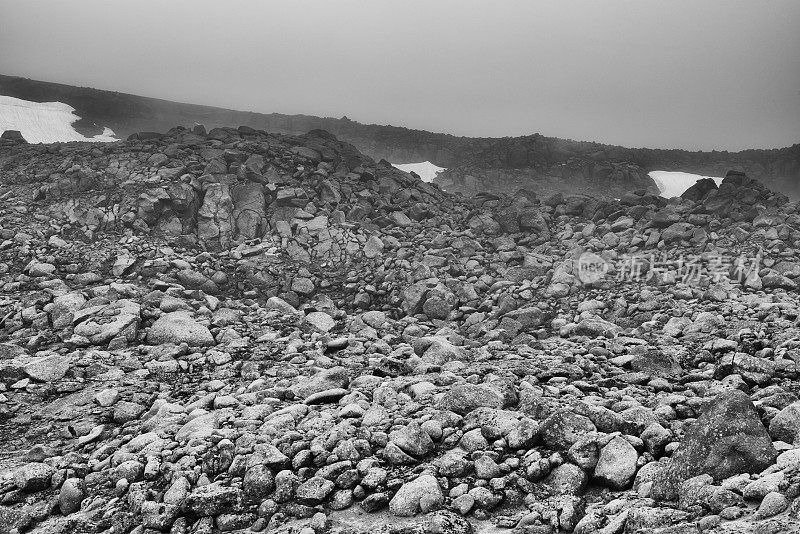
[[229, 330]]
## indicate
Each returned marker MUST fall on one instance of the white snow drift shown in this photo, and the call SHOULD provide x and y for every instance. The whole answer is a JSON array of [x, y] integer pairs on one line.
[[44, 122], [673, 184], [426, 170]]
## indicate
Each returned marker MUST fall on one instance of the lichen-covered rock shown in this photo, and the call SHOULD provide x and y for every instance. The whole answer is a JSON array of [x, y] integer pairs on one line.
[[33, 477], [726, 440]]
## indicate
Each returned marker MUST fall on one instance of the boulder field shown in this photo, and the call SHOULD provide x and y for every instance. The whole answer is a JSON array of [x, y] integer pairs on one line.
[[230, 330]]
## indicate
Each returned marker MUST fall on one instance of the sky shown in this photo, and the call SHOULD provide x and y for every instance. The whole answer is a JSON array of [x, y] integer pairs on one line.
[[696, 74]]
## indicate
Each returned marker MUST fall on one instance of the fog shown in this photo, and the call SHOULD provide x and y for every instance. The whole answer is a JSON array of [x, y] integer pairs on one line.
[[710, 74]]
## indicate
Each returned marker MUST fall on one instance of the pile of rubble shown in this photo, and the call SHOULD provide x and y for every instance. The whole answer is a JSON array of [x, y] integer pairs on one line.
[[230, 330]]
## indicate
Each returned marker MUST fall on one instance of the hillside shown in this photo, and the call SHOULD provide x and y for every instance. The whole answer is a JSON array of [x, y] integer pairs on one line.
[[227, 330], [499, 165]]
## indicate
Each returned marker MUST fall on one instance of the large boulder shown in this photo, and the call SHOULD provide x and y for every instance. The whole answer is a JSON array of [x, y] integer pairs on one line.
[[327, 379], [785, 426], [699, 190], [437, 350], [64, 308], [14, 136], [412, 440], [596, 327], [102, 323], [33, 477], [655, 362], [50, 368], [563, 428], [179, 327], [728, 439], [215, 223], [616, 466], [422, 494], [463, 398], [212, 499]]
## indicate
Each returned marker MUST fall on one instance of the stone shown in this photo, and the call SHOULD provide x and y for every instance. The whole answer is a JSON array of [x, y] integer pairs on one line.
[[64, 308], [71, 495], [656, 363], [48, 368], [486, 468], [412, 440], [199, 427], [314, 490], [410, 498], [326, 396], [785, 426], [760, 487], [123, 264], [644, 519], [212, 499], [464, 398], [562, 429], [33, 477], [125, 412], [616, 466], [373, 247], [321, 321], [566, 479], [278, 304], [158, 516], [437, 306], [303, 286], [726, 440], [325, 380], [773, 504], [13, 136], [107, 397], [595, 327], [176, 494], [179, 327], [437, 350], [258, 483], [101, 324], [655, 438], [789, 460], [700, 189]]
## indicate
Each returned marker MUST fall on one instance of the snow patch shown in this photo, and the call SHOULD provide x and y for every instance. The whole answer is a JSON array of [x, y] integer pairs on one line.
[[426, 170], [44, 122], [673, 184]]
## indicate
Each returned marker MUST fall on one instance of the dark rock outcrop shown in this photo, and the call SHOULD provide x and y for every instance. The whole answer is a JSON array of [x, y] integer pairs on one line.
[[700, 189], [12, 136]]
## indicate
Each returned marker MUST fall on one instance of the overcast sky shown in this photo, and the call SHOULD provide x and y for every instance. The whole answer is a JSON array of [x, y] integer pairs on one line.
[[698, 74]]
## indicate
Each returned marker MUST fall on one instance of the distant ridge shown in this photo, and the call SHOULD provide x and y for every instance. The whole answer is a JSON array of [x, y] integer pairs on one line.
[[473, 164]]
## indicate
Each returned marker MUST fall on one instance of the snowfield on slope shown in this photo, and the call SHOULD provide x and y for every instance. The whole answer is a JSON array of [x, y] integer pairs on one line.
[[673, 184], [44, 122], [426, 170]]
